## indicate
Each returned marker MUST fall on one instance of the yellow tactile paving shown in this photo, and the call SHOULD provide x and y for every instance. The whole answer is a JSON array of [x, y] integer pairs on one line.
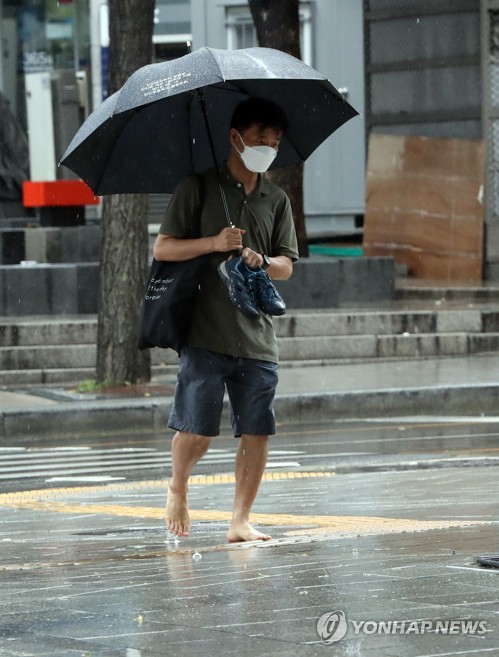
[[196, 480], [358, 524], [46, 500]]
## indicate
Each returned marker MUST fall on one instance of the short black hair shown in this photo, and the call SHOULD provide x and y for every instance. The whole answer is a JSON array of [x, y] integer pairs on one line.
[[265, 113]]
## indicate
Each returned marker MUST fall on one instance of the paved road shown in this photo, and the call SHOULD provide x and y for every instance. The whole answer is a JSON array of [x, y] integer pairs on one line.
[[370, 444], [379, 521]]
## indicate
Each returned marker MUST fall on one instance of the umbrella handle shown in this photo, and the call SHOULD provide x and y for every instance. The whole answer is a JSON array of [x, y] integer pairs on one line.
[[202, 104], [224, 202]]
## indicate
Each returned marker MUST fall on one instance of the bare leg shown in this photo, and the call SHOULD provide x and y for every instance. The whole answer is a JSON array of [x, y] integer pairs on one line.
[[187, 449], [250, 464]]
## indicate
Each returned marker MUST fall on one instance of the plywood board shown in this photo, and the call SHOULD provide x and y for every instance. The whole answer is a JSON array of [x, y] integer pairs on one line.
[[424, 205]]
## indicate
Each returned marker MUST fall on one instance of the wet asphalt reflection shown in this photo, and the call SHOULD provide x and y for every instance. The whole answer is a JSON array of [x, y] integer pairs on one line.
[[403, 443], [380, 520]]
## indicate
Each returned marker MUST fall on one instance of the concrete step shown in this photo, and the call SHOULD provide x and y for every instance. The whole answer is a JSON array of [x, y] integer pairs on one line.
[[48, 331], [318, 282], [47, 357], [36, 377], [293, 352], [410, 289], [83, 357], [48, 350], [385, 322], [83, 330], [386, 346], [63, 376], [76, 356]]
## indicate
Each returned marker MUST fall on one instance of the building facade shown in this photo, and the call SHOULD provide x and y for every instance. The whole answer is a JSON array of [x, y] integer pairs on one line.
[[410, 67]]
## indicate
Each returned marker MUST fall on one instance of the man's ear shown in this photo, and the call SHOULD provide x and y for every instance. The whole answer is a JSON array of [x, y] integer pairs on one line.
[[233, 136]]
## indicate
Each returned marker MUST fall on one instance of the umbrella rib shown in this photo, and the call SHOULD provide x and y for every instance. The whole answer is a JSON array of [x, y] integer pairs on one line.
[[217, 64], [132, 113]]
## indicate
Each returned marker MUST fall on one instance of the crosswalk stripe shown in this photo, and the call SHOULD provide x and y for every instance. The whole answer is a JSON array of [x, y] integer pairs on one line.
[[49, 462], [70, 471], [101, 463]]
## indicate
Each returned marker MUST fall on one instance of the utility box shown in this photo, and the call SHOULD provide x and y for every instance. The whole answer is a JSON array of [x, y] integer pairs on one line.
[[66, 114], [40, 126]]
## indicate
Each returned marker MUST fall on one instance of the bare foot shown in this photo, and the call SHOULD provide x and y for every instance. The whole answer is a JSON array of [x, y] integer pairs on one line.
[[243, 531], [177, 513]]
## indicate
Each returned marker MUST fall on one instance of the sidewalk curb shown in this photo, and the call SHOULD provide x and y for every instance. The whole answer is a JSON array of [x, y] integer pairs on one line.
[[422, 400], [136, 415]]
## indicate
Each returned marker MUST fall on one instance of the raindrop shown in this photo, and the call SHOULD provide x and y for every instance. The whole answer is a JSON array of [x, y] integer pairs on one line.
[[196, 556]]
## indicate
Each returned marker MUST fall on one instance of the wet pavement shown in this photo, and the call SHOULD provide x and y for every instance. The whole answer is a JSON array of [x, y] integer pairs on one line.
[[453, 386], [378, 521]]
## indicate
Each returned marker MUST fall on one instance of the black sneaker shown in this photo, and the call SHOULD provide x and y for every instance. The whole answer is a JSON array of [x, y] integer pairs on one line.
[[267, 297], [489, 561], [240, 291]]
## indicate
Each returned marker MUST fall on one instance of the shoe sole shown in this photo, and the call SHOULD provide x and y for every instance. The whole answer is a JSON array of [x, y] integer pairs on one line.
[[275, 312], [490, 562]]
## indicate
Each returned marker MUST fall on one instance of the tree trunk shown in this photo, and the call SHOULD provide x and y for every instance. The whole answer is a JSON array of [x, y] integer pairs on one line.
[[124, 260], [277, 24], [290, 179]]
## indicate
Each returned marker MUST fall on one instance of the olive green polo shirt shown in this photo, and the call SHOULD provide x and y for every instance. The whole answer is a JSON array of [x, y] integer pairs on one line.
[[266, 216]]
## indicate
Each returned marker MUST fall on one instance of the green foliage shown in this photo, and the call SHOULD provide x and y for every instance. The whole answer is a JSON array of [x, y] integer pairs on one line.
[[91, 385]]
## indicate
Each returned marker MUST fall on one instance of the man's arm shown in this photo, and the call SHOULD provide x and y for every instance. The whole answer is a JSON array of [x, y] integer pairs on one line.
[[280, 268], [175, 250], [283, 243]]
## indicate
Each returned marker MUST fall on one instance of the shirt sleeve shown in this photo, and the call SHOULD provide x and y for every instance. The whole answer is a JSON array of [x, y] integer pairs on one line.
[[180, 217], [284, 240]]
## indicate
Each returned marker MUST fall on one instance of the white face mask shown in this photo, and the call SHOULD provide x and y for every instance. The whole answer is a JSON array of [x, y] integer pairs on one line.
[[257, 158]]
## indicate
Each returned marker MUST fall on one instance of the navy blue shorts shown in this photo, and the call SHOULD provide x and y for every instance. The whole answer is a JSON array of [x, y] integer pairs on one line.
[[201, 381]]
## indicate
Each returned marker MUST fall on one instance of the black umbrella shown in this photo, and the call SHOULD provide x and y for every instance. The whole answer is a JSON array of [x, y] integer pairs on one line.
[[151, 133]]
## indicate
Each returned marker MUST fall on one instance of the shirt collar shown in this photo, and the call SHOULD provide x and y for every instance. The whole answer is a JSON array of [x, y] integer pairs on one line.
[[262, 187]]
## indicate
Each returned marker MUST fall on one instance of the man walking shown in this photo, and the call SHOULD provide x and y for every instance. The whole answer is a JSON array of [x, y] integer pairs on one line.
[[227, 346]]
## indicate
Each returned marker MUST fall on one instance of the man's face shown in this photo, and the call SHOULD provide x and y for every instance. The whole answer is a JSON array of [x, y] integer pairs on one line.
[[256, 135]]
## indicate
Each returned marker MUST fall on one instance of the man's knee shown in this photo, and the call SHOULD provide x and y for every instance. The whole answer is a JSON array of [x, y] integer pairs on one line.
[[250, 439], [192, 440]]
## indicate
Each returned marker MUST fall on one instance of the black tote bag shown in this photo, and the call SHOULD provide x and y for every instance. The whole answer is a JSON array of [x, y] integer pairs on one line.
[[168, 303]]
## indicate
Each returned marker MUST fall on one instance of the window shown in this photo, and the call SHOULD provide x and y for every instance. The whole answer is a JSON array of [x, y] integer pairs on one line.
[[241, 32]]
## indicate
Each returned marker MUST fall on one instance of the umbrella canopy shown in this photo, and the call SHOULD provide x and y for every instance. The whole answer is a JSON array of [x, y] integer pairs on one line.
[[151, 133]]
